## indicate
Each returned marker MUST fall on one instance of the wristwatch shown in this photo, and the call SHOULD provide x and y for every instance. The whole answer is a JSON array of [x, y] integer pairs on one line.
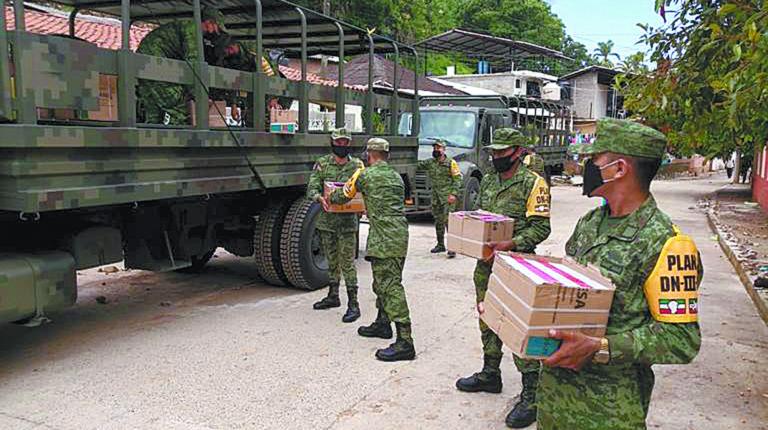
[[603, 355]]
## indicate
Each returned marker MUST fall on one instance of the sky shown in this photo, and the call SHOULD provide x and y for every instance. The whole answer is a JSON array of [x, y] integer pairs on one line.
[[592, 21]]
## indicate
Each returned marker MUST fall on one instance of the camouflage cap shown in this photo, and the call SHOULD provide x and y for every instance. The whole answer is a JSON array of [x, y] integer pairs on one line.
[[211, 13], [504, 138], [341, 133], [625, 137], [439, 142], [378, 144]]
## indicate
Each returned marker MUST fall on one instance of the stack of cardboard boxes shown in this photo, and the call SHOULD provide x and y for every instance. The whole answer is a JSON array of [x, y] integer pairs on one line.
[[528, 295], [469, 233]]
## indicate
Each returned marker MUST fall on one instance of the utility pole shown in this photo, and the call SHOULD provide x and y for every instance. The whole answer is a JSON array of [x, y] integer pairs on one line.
[[326, 7]]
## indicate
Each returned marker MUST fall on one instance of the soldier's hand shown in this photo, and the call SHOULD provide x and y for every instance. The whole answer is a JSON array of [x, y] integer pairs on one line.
[[451, 199], [505, 245], [481, 308], [576, 350], [324, 203]]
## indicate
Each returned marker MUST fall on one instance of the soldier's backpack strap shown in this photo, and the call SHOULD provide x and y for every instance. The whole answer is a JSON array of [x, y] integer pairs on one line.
[[538, 200], [672, 289], [350, 187]]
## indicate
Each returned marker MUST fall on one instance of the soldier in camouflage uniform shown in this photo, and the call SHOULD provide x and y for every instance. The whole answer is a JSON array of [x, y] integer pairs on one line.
[[606, 383], [384, 194], [445, 176], [166, 103], [515, 191], [338, 231]]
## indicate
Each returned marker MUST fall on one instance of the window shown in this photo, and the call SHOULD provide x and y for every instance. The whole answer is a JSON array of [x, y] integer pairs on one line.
[[455, 127]]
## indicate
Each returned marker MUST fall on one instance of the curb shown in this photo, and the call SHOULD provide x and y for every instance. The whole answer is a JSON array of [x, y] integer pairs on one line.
[[746, 280]]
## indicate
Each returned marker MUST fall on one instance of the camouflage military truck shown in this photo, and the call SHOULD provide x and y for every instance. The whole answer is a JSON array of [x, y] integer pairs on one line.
[[80, 189], [466, 123]]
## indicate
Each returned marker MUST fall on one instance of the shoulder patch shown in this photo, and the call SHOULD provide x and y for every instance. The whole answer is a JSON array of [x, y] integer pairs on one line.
[[350, 187], [455, 170], [539, 199], [672, 289]]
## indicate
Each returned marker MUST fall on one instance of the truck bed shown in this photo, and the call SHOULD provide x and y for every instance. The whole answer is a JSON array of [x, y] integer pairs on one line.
[[48, 168]]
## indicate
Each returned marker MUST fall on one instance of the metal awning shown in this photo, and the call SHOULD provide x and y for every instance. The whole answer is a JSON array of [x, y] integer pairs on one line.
[[281, 23], [499, 51]]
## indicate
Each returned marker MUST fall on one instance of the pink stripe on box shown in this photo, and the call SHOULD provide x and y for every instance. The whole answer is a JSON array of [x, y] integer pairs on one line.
[[540, 273], [566, 275]]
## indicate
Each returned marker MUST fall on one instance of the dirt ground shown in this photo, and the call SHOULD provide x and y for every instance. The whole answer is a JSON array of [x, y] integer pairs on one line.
[[222, 350], [744, 226]]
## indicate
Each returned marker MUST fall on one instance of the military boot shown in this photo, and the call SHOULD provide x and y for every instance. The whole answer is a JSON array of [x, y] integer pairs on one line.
[[524, 412], [331, 300], [437, 249], [353, 307], [402, 349], [487, 380], [381, 328]]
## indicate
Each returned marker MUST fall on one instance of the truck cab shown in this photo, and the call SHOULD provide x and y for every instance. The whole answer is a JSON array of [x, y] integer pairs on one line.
[[466, 124]]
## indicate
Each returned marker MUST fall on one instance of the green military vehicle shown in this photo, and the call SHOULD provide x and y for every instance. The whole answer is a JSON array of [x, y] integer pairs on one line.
[[467, 123], [80, 190]]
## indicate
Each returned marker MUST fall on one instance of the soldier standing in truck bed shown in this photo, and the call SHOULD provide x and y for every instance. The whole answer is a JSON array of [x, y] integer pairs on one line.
[[167, 103]]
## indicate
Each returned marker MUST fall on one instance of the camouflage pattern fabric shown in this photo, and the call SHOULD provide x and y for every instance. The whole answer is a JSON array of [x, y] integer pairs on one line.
[[617, 395], [509, 197], [175, 40], [384, 195], [445, 177], [535, 163], [339, 249], [327, 170], [389, 290]]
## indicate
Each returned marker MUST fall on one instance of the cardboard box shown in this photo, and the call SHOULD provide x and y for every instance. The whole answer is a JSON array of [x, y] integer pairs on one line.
[[283, 116], [470, 232], [107, 100], [215, 120], [528, 295], [356, 205]]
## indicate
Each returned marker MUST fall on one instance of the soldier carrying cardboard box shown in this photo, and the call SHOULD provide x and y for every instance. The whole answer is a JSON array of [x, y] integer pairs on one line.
[[606, 383], [519, 193]]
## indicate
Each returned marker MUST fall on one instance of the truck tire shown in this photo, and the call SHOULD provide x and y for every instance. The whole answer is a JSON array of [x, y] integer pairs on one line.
[[302, 258], [267, 243], [198, 262], [471, 192]]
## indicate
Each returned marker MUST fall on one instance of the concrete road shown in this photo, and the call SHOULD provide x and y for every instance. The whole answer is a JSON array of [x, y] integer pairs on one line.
[[222, 350]]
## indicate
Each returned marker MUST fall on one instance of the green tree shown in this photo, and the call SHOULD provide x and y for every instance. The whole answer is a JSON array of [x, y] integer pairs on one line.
[[709, 91], [529, 20], [603, 52], [578, 52], [634, 64]]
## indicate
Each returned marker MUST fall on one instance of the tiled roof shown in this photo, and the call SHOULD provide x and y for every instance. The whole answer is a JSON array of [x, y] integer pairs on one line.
[[356, 73], [295, 75], [101, 32]]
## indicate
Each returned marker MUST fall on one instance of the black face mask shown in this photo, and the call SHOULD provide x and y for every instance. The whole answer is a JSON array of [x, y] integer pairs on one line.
[[593, 179], [504, 164], [436, 154], [340, 151]]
